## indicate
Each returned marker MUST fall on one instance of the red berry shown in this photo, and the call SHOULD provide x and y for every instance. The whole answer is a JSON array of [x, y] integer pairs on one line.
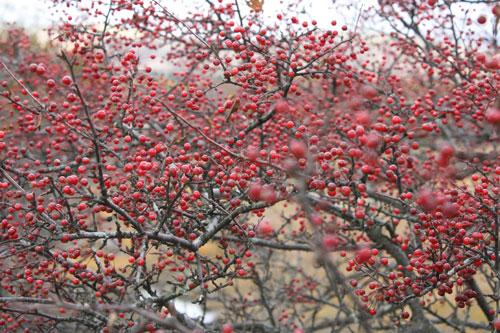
[[66, 80], [447, 150], [496, 10], [254, 191], [298, 148], [360, 214], [40, 70], [427, 200], [282, 107], [265, 228], [252, 153], [368, 92], [373, 140], [493, 116], [101, 114], [363, 254], [268, 194], [449, 210], [363, 118], [227, 328], [492, 63], [330, 241]]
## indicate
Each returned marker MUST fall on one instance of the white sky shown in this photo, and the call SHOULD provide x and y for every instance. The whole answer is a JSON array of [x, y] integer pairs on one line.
[[38, 13], [26, 12]]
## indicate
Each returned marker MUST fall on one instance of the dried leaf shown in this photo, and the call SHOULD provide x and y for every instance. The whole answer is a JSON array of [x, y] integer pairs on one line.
[[111, 319], [229, 101], [40, 117], [234, 108], [209, 122], [255, 4], [178, 139], [71, 229], [322, 62]]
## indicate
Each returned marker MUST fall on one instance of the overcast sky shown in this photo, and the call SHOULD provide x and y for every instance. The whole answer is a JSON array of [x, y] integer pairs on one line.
[[38, 13]]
